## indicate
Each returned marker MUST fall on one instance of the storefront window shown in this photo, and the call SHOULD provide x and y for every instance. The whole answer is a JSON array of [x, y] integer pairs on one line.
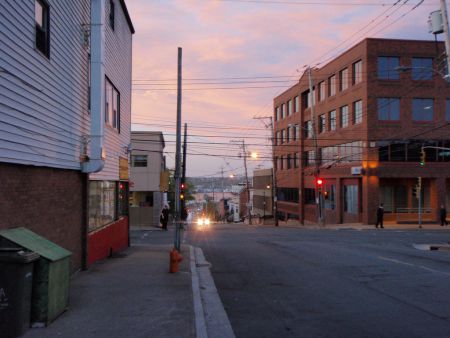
[[351, 199], [102, 203]]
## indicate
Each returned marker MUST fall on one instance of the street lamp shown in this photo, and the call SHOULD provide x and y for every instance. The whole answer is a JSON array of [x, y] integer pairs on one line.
[[264, 202]]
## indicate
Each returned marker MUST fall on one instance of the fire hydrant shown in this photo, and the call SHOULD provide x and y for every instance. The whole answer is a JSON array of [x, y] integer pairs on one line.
[[175, 259]]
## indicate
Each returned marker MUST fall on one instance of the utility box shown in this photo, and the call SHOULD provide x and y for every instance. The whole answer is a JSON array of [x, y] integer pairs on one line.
[[16, 278], [50, 294]]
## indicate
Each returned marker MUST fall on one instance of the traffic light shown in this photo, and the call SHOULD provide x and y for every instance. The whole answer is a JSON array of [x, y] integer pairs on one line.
[[414, 191], [422, 157], [319, 183], [182, 186]]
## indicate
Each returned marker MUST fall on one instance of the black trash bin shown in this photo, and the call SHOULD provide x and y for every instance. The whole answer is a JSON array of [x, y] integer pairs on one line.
[[16, 279]]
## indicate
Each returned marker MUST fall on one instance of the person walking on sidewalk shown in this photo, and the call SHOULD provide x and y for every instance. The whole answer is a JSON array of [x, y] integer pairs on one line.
[[165, 217], [380, 214], [443, 214]]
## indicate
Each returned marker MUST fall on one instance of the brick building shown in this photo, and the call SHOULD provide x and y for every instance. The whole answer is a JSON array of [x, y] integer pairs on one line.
[[375, 107]]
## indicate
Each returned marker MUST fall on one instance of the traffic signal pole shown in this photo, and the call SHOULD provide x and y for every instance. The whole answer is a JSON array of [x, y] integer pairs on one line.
[[177, 176]]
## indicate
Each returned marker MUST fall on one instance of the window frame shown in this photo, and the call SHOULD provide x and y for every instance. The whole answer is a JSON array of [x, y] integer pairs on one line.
[[332, 120], [357, 72], [420, 72], [343, 79], [332, 86], [388, 103], [112, 116], [388, 71], [357, 115], [344, 116], [42, 31], [422, 110]]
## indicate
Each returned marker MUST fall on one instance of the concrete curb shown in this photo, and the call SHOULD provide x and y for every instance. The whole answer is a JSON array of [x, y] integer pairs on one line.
[[200, 325], [211, 320]]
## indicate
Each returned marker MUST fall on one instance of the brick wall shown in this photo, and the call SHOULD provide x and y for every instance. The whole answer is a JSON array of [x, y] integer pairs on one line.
[[47, 201]]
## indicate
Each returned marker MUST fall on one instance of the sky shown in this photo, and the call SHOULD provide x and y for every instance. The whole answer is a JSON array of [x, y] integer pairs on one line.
[[237, 55]]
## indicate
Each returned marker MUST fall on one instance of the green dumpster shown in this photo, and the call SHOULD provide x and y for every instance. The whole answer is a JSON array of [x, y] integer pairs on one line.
[[50, 295], [16, 275]]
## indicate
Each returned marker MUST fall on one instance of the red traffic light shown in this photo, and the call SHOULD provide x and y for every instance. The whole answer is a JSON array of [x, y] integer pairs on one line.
[[319, 181], [182, 186]]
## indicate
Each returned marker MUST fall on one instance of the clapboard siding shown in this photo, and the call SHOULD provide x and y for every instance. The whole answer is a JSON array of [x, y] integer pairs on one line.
[[43, 102], [118, 60]]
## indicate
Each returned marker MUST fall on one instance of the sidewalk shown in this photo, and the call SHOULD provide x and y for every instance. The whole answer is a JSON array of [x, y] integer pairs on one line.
[[132, 294]]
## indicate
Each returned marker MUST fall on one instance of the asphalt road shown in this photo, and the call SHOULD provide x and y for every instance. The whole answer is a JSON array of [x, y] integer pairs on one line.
[[287, 282]]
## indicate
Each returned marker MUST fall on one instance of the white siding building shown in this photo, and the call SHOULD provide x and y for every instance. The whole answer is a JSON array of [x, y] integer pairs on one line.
[[65, 114], [147, 164]]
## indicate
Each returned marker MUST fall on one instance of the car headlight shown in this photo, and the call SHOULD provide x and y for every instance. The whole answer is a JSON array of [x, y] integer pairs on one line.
[[200, 221], [207, 221]]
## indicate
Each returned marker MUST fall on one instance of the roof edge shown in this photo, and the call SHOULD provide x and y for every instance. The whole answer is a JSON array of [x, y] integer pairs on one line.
[[127, 16]]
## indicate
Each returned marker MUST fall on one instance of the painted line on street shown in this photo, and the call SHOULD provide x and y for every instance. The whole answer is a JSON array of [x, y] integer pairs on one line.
[[413, 265]]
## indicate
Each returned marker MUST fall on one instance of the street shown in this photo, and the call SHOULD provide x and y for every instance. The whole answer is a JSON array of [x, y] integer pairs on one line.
[[291, 282]]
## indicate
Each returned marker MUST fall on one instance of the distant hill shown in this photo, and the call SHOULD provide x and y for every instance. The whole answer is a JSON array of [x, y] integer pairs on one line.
[[208, 184]]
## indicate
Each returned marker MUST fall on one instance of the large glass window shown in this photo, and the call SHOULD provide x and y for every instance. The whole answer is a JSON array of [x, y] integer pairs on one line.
[[344, 116], [388, 67], [423, 109], [422, 69], [357, 72], [332, 119], [388, 108], [329, 196], [357, 112], [332, 85], [102, 203], [343, 79], [296, 104], [310, 195], [351, 199], [42, 26], [138, 160], [277, 114]]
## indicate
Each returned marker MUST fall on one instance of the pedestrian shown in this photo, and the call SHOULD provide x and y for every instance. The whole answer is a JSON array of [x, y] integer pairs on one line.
[[165, 217], [380, 214], [443, 214]]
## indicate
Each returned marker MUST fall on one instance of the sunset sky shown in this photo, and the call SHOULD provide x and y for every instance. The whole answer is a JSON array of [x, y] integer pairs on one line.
[[239, 45]]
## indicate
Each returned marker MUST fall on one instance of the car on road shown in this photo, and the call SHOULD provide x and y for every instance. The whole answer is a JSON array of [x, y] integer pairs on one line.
[[203, 222]]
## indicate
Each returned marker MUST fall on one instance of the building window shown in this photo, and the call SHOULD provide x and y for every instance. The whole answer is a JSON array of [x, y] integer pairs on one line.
[[139, 160], [282, 111], [112, 105], [288, 160], [344, 116], [308, 129], [296, 160], [42, 23], [343, 79], [306, 98], [357, 112], [277, 113], [102, 203], [357, 72], [423, 109], [295, 132], [288, 134], [289, 108], [283, 137], [422, 69], [332, 85], [387, 67], [322, 91], [112, 14], [388, 109], [447, 110], [310, 158], [322, 123], [310, 195], [332, 119], [351, 199], [329, 195], [296, 104]]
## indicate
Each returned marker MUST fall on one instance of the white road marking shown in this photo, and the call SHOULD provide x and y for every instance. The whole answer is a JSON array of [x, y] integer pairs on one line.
[[414, 265]]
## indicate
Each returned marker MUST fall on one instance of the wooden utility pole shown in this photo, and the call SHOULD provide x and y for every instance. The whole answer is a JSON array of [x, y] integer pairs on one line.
[[247, 183], [177, 176]]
